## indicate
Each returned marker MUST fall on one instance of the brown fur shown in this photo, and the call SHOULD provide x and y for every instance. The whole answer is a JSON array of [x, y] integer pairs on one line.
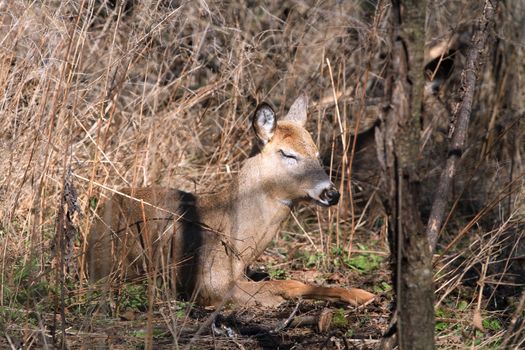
[[203, 244]]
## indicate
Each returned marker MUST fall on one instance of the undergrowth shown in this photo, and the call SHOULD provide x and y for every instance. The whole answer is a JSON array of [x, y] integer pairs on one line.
[[100, 95]]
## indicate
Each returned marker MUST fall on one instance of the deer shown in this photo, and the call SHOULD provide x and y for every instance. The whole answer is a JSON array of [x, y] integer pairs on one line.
[[204, 243]]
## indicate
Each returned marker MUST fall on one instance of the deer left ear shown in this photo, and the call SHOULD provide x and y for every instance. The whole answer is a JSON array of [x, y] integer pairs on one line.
[[264, 122], [298, 110]]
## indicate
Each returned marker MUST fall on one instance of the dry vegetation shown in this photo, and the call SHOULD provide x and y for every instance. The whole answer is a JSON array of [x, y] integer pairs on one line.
[[98, 95]]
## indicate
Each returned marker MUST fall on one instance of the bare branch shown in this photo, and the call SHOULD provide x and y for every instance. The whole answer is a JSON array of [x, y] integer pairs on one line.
[[460, 121]]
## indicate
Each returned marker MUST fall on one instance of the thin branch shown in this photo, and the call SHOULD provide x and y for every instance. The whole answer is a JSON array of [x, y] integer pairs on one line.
[[460, 121]]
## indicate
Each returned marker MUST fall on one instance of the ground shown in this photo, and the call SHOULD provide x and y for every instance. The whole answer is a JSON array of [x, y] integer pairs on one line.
[[299, 324]]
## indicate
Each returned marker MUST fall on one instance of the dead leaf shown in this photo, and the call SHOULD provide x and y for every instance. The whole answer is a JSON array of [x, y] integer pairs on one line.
[[325, 320], [477, 320]]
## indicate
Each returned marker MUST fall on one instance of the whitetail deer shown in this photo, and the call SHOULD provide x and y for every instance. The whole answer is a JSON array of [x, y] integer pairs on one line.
[[204, 243]]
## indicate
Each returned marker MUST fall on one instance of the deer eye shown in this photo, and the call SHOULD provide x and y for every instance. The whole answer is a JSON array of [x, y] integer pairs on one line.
[[288, 155]]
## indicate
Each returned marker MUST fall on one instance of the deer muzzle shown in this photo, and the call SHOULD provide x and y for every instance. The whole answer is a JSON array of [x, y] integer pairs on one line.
[[324, 194], [330, 196]]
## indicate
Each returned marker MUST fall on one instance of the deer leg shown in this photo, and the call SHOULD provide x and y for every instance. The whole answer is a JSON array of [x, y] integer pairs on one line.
[[272, 293]]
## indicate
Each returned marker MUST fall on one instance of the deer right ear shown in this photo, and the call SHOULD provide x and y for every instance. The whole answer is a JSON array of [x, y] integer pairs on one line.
[[264, 122], [298, 110]]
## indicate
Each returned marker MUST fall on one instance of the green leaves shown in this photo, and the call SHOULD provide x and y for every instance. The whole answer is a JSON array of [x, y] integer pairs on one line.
[[382, 287], [134, 297], [363, 262], [277, 274], [492, 324], [463, 305]]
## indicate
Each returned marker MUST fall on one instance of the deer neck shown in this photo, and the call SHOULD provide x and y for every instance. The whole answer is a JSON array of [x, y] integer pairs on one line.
[[247, 212]]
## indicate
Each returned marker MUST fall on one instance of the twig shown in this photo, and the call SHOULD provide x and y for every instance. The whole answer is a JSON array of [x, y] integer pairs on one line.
[[287, 322], [512, 331]]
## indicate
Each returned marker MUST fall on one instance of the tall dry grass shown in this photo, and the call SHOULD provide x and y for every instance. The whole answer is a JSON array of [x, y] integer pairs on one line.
[[152, 93], [109, 94]]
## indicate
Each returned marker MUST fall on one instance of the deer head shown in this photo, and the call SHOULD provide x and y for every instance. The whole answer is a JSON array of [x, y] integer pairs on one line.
[[290, 167]]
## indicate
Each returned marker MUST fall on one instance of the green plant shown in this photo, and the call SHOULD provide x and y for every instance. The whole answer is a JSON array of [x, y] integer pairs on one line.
[[492, 324], [182, 308], [10, 315], [134, 297], [364, 262], [441, 312], [479, 336], [277, 274], [339, 319], [141, 333], [462, 305], [311, 259], [26, 288], [382, 287], [441, 326], [93, 202]]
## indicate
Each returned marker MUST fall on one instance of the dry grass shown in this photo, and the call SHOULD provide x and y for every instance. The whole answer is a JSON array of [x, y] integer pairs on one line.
[[102, 95]]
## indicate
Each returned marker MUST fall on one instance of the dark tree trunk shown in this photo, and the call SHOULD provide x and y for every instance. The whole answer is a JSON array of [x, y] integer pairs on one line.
[[399, 149]]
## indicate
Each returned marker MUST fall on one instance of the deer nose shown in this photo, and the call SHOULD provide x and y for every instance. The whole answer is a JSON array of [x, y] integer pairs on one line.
[[331, 195]]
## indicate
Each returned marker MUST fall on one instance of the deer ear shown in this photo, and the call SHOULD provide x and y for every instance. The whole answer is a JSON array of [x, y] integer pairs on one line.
[[264, 122], [298, 111]]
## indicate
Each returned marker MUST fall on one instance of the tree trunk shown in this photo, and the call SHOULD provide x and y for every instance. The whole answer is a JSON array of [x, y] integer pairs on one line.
[[411, 256]]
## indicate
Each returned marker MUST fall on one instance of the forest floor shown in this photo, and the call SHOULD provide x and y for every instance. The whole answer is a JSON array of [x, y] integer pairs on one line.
[[101, 95], [300, 324]]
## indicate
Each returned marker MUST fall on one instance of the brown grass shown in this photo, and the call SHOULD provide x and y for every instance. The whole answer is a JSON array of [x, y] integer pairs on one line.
[[108, 94]]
